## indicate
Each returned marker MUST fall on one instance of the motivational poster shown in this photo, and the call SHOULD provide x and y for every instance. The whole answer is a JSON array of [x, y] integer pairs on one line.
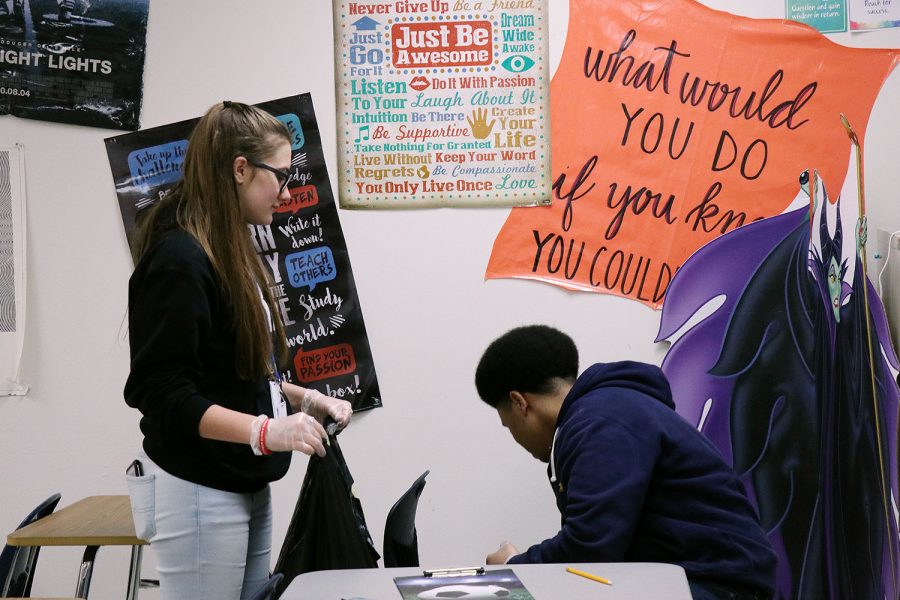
[[303, 248], [75, 62], [828, 16], [442, 103], [674, 123], [874, 14]]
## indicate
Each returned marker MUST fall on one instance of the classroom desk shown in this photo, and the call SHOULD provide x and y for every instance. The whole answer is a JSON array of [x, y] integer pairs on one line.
[[91, 522], [630, 581]]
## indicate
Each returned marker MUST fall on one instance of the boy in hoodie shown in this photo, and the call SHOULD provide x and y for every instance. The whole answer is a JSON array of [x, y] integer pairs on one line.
[[634, 481]]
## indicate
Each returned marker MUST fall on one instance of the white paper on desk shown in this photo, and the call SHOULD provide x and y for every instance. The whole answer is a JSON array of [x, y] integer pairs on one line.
[[12, 268]]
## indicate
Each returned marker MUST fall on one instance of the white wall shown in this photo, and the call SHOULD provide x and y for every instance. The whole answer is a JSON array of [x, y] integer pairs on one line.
[[420, 278]]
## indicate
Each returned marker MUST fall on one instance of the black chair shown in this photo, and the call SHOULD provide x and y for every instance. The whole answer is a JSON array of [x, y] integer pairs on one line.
[[401, 546], [268, 588], [17, 563]]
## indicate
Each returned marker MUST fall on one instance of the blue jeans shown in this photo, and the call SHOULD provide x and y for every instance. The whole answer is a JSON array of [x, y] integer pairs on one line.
[[209, 544]]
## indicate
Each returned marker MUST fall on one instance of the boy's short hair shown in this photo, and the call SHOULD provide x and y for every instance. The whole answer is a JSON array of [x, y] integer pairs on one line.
[[525, 359]]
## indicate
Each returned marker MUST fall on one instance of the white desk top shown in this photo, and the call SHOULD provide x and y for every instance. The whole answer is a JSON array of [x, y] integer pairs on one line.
[[630, 581]]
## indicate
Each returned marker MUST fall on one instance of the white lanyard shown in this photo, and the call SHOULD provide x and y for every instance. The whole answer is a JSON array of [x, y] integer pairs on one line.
[[279, 404]]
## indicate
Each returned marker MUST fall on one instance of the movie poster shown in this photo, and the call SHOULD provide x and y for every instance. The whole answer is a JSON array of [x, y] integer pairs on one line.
[[303, 247], [790, 372], [73, 61], [442, 103]]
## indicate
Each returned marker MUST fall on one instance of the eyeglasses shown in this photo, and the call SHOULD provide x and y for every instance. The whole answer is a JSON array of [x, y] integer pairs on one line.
[[282, 176]]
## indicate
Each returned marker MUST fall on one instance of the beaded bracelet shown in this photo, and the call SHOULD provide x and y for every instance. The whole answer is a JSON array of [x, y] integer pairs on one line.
[[262, 437]]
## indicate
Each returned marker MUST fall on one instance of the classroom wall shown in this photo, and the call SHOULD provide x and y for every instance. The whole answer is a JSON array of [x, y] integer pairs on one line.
[[419, 274]]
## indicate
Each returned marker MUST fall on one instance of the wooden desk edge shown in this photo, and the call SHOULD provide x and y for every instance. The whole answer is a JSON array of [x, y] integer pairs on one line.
[[26, 536], [12, 540]]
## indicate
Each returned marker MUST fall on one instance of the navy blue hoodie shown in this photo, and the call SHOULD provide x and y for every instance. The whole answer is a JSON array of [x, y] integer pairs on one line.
[[635, 482]]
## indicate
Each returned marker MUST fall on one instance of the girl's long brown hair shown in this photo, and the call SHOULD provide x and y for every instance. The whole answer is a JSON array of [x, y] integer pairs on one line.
[[205, 204]]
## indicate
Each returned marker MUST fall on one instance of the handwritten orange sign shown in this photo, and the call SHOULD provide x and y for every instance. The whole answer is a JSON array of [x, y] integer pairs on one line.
[[673, 123]]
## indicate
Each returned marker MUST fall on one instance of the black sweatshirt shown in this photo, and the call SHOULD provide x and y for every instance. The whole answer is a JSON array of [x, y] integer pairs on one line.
[[183, 342]]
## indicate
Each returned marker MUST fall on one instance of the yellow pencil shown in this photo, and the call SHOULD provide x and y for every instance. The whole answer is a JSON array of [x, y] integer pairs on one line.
[[589, 576]]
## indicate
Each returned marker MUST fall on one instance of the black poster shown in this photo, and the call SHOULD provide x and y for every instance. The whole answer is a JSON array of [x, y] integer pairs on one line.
[[303, 248], [73, 61]]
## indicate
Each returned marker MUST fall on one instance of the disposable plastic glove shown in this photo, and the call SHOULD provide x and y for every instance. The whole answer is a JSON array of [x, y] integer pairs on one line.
[[299, 432], [320, 406]]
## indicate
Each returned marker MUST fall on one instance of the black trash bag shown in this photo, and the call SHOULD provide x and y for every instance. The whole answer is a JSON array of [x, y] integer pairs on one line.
[[328, 529]]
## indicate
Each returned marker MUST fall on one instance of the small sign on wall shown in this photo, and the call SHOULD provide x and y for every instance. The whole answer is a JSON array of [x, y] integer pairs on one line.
[[828, 16], [874, 14]]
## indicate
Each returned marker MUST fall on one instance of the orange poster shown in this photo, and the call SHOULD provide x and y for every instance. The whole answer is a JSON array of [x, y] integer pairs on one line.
[[673, 123]]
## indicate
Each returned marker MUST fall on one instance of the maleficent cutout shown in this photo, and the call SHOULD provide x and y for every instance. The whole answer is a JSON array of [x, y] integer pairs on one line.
[[792, 376]]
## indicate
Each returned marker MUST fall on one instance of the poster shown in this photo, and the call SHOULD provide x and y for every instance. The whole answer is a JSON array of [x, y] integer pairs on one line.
[[303, 247], [674, 123], [73, 61], [442, 103], [792, 376], [828, 16], [874, 14], [12, 269]]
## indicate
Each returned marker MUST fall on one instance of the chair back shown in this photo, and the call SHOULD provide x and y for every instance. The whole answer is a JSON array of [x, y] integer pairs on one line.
[[401, 546], [268, 588], [17, 563]]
